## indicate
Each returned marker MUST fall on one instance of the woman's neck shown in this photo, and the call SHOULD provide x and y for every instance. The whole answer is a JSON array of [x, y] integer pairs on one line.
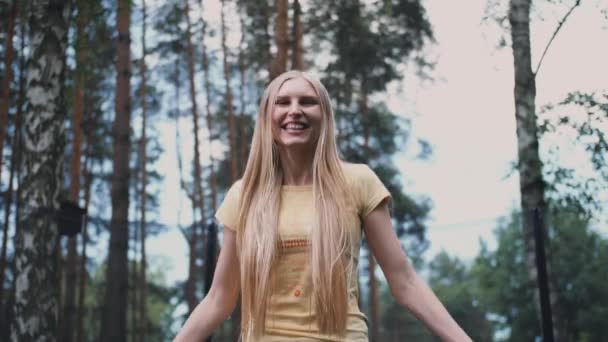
[[296, 165]]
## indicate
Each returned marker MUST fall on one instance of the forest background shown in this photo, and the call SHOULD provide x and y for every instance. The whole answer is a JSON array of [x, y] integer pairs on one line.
[[141, 112]]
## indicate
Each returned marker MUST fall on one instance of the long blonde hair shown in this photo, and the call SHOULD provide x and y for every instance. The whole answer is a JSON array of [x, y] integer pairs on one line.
[[258, 236]]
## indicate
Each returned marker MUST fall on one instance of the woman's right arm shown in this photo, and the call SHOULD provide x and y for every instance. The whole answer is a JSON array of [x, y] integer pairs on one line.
[[219, 303]]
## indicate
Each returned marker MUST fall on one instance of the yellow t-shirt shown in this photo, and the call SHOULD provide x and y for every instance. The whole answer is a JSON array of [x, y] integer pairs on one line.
[[290, 315]]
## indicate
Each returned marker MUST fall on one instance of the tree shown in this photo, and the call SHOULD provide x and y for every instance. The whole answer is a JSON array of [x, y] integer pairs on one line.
[[69, 310], [505, 291], [279, 62], [198, 199], [114, 319], [297, 35], [228, 94], [531, 183], [44, 140]]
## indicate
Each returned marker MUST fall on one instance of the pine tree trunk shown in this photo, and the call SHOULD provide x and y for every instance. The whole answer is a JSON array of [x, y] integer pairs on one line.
[[297, 47], [114, 316], [242, 140], [530, 166], [198, 198], [7, 79], [144, 182], [67, 326], [83, 255], [44, 142], [229, 108], [279, 64]]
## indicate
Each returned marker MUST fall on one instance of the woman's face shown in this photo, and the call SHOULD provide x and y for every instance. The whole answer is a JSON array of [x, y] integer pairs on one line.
[[296, 118]]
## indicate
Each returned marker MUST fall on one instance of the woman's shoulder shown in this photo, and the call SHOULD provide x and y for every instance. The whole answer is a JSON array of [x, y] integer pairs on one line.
[[355, 172]]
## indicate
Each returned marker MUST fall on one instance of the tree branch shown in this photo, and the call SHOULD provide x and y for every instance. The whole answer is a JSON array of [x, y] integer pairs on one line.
[[559, 26]]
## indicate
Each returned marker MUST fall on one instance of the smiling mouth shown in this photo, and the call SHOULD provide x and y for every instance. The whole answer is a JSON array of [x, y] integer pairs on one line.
[[295, 126]]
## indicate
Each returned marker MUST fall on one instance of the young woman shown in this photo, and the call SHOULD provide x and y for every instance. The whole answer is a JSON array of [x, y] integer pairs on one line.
[[294, 224]]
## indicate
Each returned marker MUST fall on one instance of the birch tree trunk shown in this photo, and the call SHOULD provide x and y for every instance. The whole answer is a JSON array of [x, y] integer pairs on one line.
[[36, 305], [279, 64], [114, 316], [531, 182]]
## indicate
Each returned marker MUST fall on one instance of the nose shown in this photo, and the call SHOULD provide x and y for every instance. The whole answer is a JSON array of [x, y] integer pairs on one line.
[[295, 109]]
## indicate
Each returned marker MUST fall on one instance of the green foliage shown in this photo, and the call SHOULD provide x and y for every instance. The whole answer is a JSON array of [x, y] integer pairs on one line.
[[452, 282], [159, 306], [578, 262], [581, 121]]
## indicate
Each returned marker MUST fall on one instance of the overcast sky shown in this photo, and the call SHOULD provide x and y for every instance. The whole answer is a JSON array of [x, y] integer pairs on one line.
[[466, 114]]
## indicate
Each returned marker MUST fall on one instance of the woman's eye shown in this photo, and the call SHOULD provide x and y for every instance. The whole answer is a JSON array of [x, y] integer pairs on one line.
[[308, 102]]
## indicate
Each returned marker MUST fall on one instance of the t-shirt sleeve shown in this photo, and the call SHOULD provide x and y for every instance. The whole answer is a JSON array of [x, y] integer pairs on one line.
[[228, 212], [370, 191]]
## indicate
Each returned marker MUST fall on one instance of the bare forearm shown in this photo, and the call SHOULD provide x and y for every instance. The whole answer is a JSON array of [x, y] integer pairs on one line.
[[207, 316], [419, 299]]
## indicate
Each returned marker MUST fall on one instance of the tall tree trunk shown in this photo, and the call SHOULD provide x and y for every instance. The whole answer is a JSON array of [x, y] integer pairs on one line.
[[279, 64], [198, 197], [67, 326], [133, 285], [83, 255], [531, 182], [209, 113], [8, 310], [374, 299], [229, 108], [36, 304], [114, 317], [241, 156], [297, 46], [143, 320], [15, 146], [7, 79]]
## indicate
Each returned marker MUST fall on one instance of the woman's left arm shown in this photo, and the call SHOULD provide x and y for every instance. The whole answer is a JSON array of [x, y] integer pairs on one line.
[[408, 288]]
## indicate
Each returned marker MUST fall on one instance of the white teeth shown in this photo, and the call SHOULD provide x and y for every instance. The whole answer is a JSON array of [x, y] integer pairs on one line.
[[294, 126]]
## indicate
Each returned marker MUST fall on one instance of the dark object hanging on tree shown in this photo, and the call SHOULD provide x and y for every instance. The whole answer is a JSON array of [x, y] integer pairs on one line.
[[70, 218], [543, 282]]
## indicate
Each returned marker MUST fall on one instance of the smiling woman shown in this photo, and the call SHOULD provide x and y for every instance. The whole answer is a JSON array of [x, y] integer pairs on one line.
[[297, 114], [294, 225]]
